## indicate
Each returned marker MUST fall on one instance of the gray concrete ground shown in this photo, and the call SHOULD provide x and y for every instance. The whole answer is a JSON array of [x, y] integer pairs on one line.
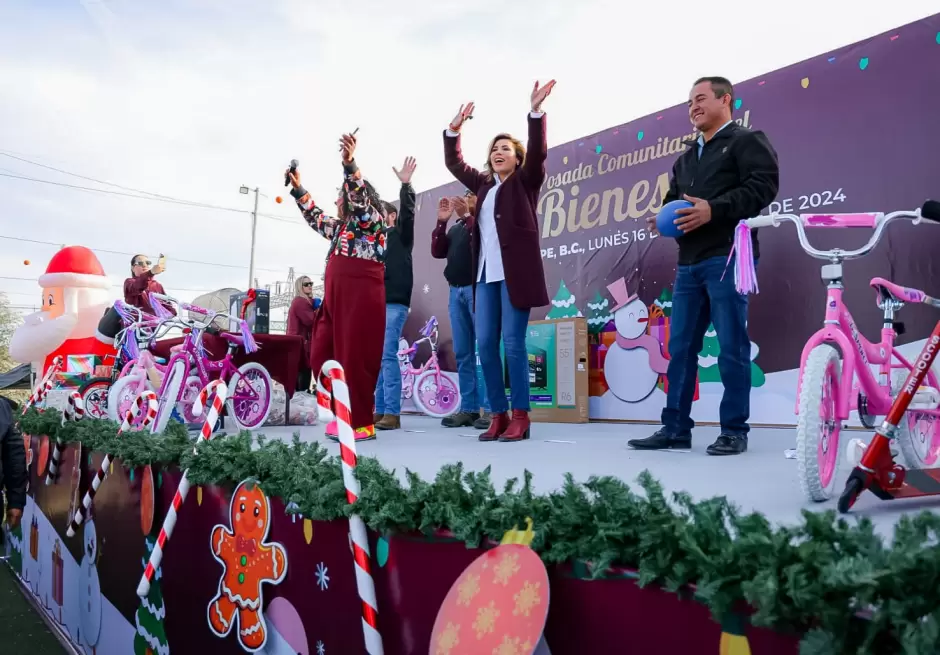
[[762, 479]]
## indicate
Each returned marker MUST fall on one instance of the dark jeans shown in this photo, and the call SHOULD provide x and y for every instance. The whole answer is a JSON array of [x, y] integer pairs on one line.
[[460, 309], [700, 297]]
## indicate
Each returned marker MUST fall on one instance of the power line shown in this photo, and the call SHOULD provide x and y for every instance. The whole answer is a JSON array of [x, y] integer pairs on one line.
[[132, 254], [116, 286]]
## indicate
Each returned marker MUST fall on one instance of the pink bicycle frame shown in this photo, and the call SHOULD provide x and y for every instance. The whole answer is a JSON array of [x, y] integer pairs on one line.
[[840, 330]]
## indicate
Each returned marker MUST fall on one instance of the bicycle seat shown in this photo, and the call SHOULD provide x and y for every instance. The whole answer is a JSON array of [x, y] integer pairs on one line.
[[174, 349], [428, 328], [231, 337], [891, 291]]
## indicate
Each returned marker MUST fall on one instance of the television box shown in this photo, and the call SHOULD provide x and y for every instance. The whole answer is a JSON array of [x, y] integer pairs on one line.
[[557, 351], [258, 313]]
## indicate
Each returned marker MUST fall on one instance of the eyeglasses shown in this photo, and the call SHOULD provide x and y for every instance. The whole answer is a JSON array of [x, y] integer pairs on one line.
[[307, 284], [142, 262]]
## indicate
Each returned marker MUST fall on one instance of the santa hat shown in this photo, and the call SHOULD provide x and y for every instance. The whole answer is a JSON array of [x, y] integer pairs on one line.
[[74, 266]]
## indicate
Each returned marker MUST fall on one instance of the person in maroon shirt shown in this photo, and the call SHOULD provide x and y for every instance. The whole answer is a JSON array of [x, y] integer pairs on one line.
[[300, 320], [507, 260], [142, 282]]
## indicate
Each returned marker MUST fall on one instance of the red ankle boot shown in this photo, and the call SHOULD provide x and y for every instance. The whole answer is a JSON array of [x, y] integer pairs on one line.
[[497, 427], [518, 428]]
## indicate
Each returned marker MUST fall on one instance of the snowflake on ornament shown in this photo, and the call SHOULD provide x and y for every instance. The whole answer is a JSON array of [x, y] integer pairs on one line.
[[323, 577], [321, 649]]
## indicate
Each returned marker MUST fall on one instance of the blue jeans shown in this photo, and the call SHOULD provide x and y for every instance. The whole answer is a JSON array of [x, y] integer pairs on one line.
[[460, 309], [495, 315], [700, 297], [388, 388]]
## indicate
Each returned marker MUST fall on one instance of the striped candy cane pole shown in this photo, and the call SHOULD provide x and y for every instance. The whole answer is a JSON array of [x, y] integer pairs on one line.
[[156, 556], [74, 411], [332, 377], [45, 384], [324, 397], [147, 397]]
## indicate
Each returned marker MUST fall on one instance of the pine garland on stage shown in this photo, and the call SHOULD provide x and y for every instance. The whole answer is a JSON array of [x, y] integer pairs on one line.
[[812, 578]]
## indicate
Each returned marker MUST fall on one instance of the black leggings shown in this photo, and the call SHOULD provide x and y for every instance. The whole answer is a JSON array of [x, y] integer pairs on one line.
[[303, 379]]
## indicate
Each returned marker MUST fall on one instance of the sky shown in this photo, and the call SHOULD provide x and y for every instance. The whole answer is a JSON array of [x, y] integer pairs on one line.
[[191, 99]]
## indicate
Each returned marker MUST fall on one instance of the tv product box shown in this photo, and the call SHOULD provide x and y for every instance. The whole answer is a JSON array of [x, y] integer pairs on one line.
[[258, 313], [557, 351]]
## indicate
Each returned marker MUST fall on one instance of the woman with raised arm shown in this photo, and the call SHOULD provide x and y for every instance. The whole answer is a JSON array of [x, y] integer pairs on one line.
[[350, 326], [507, 261]]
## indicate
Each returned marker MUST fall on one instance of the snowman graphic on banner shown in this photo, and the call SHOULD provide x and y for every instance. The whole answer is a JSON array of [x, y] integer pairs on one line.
[[635, 360], [90, 588]]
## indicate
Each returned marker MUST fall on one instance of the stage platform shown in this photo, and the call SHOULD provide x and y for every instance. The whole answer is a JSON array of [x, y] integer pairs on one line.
[[762, 479]]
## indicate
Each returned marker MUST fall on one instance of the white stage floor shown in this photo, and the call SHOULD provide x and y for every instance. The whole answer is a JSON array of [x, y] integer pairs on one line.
[[762, 479]]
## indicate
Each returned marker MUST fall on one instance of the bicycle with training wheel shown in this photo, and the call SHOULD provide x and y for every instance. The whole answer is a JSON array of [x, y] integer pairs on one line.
[[877, 470], [836, 364], [433, 393], [190, 370]]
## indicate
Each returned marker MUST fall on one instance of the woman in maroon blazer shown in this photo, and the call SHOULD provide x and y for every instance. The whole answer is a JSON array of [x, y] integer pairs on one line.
[[300, 320], [507, 258]]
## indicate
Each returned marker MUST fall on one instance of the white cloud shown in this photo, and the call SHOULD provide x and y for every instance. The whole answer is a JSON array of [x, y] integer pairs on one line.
[[194, 98]]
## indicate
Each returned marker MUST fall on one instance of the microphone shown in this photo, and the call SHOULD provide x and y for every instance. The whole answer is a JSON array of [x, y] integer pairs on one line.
[[293, 169], [931, 210]]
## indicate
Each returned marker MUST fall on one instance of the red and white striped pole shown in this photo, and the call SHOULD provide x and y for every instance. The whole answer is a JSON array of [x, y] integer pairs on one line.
[[148, 397], [74, 411], [45, 384], [156, 556], [333, 378], [324, 398]]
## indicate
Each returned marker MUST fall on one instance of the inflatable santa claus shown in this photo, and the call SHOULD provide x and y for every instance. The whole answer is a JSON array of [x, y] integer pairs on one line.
[[75, 295]]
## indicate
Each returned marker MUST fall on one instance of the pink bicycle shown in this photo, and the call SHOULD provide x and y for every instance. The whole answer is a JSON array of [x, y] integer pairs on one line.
[[190, 369], [433, 393], [836, 365]]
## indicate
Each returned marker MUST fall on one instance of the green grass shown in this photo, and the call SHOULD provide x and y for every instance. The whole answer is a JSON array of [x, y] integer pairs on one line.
[[22, 630]]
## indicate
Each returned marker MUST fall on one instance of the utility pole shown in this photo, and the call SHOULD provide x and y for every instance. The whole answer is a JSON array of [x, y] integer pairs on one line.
[[254, 229]]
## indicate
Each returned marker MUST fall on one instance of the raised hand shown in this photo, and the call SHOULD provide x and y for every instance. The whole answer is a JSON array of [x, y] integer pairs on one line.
[[294, 177], [444, 209], [407, 170], [461, 206], [540, 93], [465, 113], [347, 146]]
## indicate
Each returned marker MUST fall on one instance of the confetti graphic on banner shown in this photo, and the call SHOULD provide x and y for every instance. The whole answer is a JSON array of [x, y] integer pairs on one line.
[[564, 160], [938, 38], [895, 37], [616, 132], [761, 83], [639, 135], [831, 59], [737, 103], [804, 82], [598, 148], [581, 144], [863, 63]]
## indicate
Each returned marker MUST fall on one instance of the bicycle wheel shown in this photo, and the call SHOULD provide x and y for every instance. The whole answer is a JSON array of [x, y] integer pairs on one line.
[[818, 427], [123, 395], [918, 435], [249, 396], [169, 396], [192, 388], [95, 397], [436, 400]]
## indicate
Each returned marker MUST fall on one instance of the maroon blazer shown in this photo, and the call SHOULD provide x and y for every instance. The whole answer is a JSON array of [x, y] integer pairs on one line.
[[517, 225], [301, 318]]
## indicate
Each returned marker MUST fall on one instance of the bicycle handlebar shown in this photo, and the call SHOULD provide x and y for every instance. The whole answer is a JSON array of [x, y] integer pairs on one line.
[[876, 220]]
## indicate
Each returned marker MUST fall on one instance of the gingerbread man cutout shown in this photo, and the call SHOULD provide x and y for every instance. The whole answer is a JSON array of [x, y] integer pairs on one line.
[[248, 562]]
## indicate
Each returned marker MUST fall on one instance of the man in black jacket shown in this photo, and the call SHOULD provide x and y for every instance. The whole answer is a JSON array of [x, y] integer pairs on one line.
[[13, 474], [728, 174], [399, 279], [454, 245]]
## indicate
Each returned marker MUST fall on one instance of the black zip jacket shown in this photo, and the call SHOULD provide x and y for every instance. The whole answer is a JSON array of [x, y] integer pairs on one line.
[[739, 177], [399, 277], [454, 245], [12, 459]]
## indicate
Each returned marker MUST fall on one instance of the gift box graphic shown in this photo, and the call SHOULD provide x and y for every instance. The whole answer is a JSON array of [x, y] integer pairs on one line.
[[658, 326], [71, 380], [82, 364], [57, 569]]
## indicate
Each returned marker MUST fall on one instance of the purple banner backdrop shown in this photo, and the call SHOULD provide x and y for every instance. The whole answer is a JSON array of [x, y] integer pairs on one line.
[[87, 584], [850, 129]]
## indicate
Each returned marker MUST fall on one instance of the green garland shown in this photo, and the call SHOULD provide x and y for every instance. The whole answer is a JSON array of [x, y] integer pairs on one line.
[[811, 579]]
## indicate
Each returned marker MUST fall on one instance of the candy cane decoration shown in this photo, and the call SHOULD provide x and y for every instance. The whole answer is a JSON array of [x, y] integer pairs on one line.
[[74, 411], [156, 555], [44, 385], [333, 378], [324, 398], [148, 397]]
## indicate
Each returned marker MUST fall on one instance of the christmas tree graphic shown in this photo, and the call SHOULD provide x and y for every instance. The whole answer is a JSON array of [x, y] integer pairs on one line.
[[664, 302], [708, 360], [151, 634], [599, 314], [563, 304]]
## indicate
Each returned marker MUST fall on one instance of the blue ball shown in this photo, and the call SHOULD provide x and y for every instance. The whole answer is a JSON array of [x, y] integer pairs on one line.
[[666, 216]]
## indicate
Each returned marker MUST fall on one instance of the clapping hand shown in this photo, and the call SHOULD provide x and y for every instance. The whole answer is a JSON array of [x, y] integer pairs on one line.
[[347, 146], [461, 206], [540, 93], [465, 114], [444, 209], [407, 170]]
